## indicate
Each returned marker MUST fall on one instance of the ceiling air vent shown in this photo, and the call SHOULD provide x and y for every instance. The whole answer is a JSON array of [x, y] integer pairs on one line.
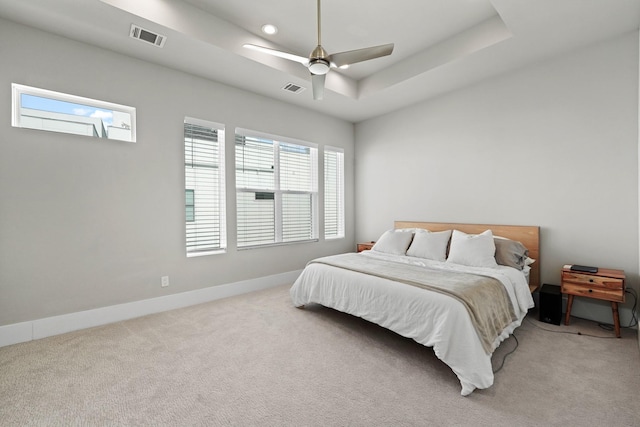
[[290, 87], [147, 36]]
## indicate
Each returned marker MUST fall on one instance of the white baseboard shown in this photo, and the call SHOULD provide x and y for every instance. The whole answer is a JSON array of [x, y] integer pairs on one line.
[[56, 325]]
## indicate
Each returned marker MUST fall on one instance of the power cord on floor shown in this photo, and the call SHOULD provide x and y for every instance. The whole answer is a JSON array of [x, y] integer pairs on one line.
[[632, 323], [634, 317], [608, 327], [566, 332], [509, 353]]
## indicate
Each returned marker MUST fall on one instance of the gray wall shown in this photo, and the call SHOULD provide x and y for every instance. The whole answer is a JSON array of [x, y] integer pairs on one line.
[[88, 223], [554, 145]]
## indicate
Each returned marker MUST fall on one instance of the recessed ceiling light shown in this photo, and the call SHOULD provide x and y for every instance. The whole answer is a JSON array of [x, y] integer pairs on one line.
[[269, 29]]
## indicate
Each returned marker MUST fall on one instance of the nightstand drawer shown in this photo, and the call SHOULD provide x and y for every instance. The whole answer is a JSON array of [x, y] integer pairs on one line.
[[591, 291], [592, 280]]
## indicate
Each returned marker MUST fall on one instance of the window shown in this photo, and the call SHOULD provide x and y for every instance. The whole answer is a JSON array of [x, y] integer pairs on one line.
[[204, 187], [333, 193], [276, 186], [42, 109]]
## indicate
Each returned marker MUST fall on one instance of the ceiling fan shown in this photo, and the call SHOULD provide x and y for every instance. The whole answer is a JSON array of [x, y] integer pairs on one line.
[[320, 62]]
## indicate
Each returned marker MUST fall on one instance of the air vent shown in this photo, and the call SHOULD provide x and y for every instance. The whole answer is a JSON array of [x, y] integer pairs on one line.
[[290, 87], [147, 36]]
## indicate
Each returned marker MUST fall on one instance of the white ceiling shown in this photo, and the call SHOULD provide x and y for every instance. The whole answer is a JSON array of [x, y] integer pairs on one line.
[[440, 45]]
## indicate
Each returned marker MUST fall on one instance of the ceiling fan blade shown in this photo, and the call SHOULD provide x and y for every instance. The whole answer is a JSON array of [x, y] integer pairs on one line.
[[317, 83], [359, 55], [279, 53]]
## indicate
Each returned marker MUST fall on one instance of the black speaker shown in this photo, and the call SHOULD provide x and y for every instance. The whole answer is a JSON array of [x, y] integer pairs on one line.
[[550, 304]]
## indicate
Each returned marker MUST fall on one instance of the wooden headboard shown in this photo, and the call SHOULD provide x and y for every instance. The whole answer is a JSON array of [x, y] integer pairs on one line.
[[529, 236]]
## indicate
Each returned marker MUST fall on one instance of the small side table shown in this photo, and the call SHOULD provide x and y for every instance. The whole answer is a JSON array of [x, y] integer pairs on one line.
[[607, 284], [364, 246]]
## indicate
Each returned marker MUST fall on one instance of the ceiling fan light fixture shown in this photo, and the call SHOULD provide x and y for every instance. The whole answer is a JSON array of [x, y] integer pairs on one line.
[[319, 66], [269, 29]]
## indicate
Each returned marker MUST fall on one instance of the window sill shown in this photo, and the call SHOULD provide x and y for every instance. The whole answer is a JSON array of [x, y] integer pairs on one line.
[[204, 253], [268, 245]]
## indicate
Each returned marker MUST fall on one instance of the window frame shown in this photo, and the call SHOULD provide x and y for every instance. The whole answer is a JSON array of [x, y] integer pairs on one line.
[[340, 207], [221, 196], [277, 188], [17, 90]]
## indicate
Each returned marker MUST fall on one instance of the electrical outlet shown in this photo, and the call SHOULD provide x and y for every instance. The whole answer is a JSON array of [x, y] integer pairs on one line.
[[164, 281]]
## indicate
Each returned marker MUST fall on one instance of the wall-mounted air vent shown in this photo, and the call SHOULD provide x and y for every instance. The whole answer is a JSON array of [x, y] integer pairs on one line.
[[147, 36], [290, 87]]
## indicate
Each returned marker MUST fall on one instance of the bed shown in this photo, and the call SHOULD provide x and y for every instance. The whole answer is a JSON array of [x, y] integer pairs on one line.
[[453, 287]]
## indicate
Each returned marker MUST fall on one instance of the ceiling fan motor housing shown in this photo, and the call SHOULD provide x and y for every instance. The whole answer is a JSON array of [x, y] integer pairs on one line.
[[318, 64]]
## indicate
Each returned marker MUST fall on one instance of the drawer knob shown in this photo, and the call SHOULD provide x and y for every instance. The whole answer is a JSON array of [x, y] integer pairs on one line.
[[590, 280], [590, 290]]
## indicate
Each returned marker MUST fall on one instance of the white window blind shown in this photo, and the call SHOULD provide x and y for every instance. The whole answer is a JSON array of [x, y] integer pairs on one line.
[[276, 184], [333, 193], [204, 187]]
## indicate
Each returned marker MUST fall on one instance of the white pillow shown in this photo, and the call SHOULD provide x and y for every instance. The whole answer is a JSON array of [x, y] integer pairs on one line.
[[430, 245], [392, 242], [475, 250]]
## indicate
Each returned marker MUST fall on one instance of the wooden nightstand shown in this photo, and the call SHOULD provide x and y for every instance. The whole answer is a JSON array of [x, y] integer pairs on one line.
[[606, 284], [364, 246]]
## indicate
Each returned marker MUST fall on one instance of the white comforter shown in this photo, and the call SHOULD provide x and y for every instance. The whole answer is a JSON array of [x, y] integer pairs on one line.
[[430, 318]]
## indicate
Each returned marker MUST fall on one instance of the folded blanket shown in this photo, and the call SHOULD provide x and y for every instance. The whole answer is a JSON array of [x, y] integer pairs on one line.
[[484, 297]]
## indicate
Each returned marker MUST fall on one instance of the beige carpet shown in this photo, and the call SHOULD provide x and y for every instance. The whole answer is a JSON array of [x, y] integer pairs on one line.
[[256, 360]]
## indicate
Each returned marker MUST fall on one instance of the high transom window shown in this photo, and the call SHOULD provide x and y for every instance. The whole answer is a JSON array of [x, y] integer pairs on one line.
[[41, 109]]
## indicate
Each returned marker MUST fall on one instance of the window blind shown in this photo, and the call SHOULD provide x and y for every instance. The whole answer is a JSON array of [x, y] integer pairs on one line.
[[276, 184], [204, 187], [297, 217], [333, 193]]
